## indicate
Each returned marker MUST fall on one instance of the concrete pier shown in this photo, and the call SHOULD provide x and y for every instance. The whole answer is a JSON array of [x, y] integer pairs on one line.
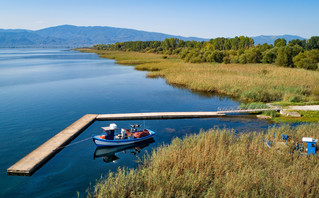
[[160, 115], [35, 159]]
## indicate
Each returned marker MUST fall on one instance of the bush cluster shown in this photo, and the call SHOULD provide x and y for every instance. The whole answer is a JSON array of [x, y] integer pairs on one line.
[[297, 53]]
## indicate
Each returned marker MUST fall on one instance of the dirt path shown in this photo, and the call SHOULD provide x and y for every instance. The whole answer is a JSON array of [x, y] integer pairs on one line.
[[305, 108]]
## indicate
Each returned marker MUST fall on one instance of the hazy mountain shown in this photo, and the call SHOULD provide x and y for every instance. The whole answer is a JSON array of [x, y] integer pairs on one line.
[[271, 39], [28, 39], [75, 36]]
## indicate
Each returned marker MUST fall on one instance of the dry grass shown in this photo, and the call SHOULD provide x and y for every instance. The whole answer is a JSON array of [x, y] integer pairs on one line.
[[252, 82], [217, 163]]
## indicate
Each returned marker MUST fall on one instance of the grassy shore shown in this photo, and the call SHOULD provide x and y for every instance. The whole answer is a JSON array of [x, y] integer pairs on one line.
[[219, 163], [249, 82], [306, 116]]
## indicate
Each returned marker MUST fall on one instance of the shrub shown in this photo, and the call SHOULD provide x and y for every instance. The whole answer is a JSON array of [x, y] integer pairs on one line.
[[307, 60], [183, 53], [234, 60], [253, 55], [151, 51], [254, 105], [226, 60], [292, 98], [242, 59], [176, 51], [269, 56], [295, 99], [196, 59], [315, 92], [207, 56], [286, 54], [258, 95], [218, 56], [272, 114]]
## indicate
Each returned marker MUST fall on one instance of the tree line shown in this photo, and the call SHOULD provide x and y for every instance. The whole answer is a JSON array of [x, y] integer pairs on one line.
[[296, 53]]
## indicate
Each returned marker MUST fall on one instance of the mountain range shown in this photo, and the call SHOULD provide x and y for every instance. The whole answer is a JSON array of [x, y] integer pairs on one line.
[[69, 36]]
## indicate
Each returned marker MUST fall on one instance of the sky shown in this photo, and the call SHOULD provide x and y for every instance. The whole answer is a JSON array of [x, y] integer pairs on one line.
[[199, 18]]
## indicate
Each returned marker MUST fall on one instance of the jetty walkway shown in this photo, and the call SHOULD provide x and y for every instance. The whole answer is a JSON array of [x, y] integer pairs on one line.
[[37, 158]]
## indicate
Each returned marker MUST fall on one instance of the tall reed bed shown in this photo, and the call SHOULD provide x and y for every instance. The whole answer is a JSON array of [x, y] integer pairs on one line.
[[219, 163], [251, 82]]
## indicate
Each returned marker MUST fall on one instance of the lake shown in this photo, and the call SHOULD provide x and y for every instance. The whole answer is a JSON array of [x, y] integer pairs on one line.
[[42, 91]]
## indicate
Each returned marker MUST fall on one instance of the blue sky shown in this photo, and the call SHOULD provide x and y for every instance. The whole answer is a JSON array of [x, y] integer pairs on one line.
[[200, 18]]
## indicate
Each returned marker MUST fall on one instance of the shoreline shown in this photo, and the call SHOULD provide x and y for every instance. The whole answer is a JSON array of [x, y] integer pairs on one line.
[[166, 68], [247, 83]]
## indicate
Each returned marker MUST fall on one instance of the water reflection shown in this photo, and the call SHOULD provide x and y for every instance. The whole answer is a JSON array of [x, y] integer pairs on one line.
[[108, 153]]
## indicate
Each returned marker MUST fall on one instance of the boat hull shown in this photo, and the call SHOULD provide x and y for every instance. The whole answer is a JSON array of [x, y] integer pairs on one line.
[[107, 151], [119, 142]]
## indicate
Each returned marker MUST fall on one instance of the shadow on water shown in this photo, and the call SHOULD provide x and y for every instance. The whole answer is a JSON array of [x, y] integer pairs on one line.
[[108, 153]]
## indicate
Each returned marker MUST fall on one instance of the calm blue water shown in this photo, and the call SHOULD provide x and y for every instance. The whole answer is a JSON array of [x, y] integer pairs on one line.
[[42, 91]]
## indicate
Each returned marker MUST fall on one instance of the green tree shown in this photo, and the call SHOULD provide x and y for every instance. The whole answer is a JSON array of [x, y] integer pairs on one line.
[[242, 59], [235, 43], [286, 54], [218, 43], [207, 56], [264, 47], [227, 44], [170, 44], [155, 44], [280, 42], [251, 55], [307, 60], [270, 55], [313, 43], [301, 43], [245, 42], [218, 56]]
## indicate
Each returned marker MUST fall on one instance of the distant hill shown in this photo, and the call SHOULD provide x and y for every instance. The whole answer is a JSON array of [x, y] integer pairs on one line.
[[75, 36], [271, 39], [80, 36]]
